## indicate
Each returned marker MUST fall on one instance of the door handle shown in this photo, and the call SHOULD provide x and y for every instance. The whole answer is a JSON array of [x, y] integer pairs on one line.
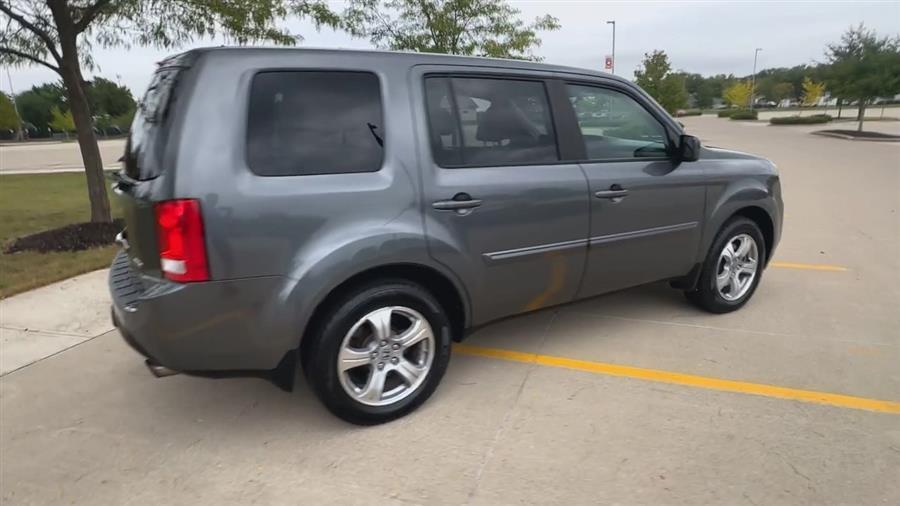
[[459, 202], [615, 192]]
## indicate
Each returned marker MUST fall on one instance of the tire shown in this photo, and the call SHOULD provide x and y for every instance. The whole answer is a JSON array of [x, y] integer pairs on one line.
[[370, 331], [708, 295]]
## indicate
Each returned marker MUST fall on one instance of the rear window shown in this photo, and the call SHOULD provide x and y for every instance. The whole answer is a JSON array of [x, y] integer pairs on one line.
[[313, 122], [146, 137]]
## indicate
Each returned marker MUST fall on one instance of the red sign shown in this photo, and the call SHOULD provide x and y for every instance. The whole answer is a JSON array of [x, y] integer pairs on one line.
[[609, 62]]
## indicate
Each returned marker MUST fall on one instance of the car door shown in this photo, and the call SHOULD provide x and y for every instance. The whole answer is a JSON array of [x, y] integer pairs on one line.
[[501, 210], [646, 207]]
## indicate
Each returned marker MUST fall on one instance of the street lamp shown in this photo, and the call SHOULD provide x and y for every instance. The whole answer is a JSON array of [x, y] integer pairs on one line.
[[613, 69], [753, 78]]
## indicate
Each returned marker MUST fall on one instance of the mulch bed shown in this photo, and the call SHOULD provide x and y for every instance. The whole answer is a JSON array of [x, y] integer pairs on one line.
[[74, 237], [854, 135]]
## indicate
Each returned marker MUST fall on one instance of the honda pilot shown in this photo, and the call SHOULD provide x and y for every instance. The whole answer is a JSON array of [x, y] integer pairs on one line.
[[352, 213]]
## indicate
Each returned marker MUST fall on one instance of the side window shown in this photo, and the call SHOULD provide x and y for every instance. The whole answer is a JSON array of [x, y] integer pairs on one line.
[[614, 125], [483, 121], [312, 122]]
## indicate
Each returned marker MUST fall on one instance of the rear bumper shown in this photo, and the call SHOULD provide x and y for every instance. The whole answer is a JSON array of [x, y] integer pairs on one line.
[[200, 327]]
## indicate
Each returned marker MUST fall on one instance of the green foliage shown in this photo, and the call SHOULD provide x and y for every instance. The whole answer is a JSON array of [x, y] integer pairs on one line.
[[738, 94], [61, 121], [864, 66], [812, 92], [703, 89], [9, 120], [800, 120], [465, 27], [107, 97], [124, 120], [743, 114], [34, 38], [35, 104], [782, 91], [656, 78], [726, 113]]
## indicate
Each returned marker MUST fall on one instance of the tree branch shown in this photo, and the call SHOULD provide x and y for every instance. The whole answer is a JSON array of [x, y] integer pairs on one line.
[[31, 27], [89, 14], [26, 56]]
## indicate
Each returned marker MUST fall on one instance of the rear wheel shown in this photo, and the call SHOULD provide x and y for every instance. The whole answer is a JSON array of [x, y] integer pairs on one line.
[[380, 353], [732, 269]]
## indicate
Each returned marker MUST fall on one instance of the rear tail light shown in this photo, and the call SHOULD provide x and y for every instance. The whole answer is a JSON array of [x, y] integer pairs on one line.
[[182, 248]]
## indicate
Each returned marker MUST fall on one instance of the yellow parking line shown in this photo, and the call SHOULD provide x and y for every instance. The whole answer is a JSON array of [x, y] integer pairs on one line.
[[809, 267], [676, 378]]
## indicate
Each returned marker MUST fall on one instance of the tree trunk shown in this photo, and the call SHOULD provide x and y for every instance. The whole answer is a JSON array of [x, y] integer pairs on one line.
[[90, 151], [70, 69], [861, 115], [840, 105]]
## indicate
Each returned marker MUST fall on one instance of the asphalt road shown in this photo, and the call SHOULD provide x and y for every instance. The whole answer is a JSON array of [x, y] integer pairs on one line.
[[91, 426]]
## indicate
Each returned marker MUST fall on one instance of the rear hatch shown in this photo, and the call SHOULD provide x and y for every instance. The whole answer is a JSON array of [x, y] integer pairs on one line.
[[142, 180]]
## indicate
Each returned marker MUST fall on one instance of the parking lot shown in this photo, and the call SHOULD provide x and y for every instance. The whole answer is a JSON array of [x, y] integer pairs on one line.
[[630, 398]]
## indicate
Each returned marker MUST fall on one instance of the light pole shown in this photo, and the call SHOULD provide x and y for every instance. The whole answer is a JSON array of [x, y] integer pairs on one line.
[[614, 46], [753, 78]]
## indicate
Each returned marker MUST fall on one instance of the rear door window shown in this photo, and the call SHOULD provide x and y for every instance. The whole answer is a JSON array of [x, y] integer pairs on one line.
[[315, 122], [489, 121]]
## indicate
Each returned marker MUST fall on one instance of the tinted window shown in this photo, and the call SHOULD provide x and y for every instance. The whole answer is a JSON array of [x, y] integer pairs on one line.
[[481, 121], [614, 125], [303, 123]]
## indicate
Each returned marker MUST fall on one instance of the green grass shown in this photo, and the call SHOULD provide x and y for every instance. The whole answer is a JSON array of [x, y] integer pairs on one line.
[[35, 202]]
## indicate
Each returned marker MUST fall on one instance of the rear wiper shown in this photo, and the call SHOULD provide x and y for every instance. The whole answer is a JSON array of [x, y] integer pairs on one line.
[[378, 138], [121, 180]]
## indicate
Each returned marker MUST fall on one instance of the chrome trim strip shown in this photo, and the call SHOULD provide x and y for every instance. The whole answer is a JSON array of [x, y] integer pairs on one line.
[[602, 239], [534, 250]]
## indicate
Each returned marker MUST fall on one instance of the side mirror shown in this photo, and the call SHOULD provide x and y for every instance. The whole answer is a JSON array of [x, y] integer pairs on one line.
[[688, 148]]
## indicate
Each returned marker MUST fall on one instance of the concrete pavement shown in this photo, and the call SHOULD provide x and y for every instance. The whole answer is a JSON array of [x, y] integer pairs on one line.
[[45, 321], [91, 426], [47, 157]]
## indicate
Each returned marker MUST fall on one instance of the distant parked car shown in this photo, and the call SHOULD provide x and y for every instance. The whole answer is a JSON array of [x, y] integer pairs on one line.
[[356, 211]]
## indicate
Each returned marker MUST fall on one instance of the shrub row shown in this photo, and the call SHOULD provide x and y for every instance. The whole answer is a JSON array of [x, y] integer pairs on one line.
[[813, 119], [742, 114]]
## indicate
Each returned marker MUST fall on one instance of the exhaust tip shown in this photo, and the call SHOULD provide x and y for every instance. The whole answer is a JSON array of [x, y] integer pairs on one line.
[[160, 371]]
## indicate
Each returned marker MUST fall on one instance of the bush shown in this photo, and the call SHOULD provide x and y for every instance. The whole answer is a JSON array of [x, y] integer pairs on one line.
[[689, 112], [726, 113], [813, 119], [742, 114], [74, 237]]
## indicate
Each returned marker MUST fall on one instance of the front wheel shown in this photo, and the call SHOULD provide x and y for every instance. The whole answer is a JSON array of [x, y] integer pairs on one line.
[[380, 353], [732, 269]]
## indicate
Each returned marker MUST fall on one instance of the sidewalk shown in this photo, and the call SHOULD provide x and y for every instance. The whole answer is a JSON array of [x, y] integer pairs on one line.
[[45, 321]]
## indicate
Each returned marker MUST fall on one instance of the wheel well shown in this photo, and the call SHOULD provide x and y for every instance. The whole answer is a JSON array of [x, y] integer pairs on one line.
[[436, 283], [764, 222]]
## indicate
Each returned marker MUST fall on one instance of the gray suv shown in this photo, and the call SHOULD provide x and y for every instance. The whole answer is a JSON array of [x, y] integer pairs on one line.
[[353, 212]]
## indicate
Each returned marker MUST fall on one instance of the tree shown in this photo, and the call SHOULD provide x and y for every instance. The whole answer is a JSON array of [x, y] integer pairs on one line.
[[812, 92], [61, 120], [738, 94], [9, 119], [465, 27], [107, 97], [655, 76], [864, 67], [782, 91], [58, 34], [35, 104]]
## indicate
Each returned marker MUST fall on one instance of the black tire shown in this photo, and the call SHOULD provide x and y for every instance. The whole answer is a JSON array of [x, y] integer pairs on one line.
[[706, 296], [321, 368]]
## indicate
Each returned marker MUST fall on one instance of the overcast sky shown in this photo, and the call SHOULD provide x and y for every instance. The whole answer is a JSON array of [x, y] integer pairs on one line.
[[703, 37]]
